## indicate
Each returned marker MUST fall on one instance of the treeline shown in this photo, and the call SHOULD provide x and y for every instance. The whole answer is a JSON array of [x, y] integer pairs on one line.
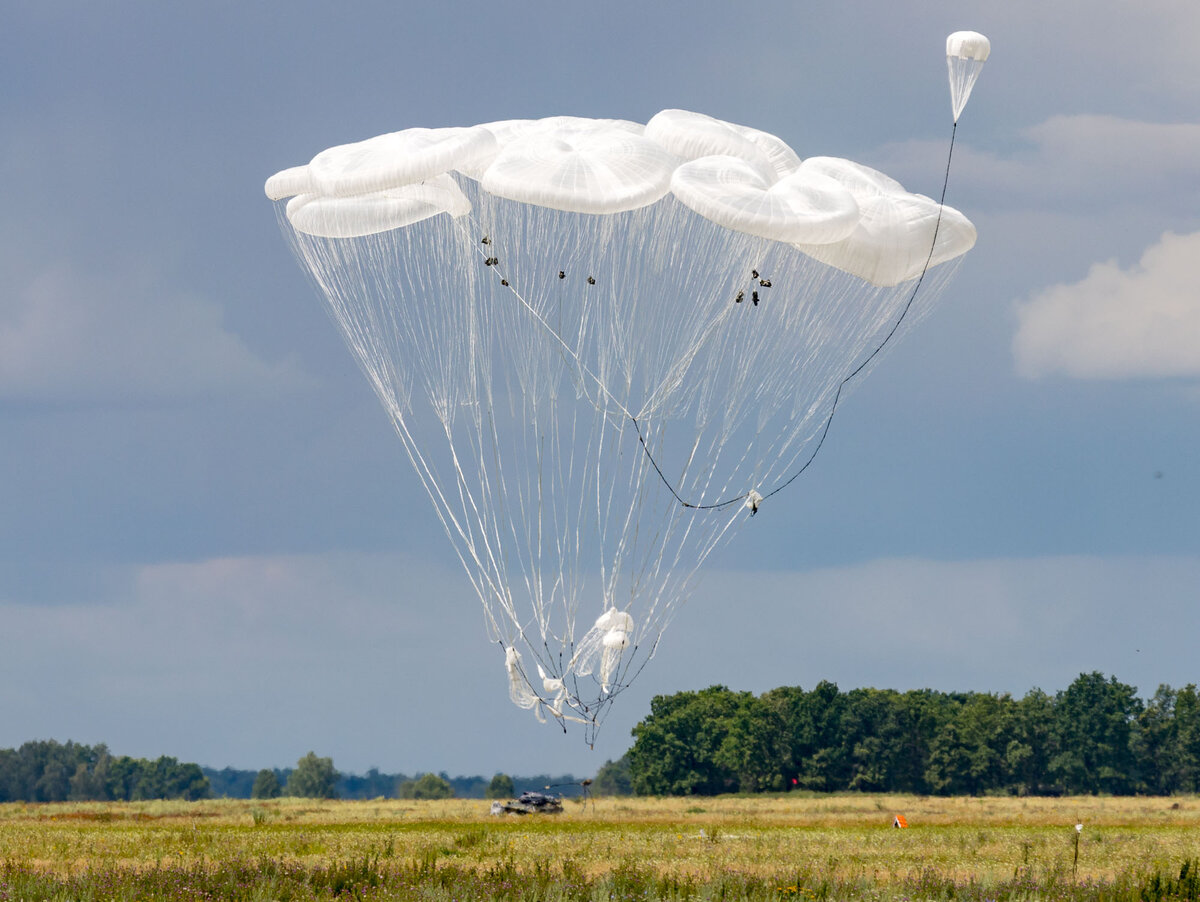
[[49, 771], [1096, 736], [234, 783]]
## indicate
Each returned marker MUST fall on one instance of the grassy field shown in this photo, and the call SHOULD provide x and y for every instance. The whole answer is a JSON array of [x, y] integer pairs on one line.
[[795, 846]]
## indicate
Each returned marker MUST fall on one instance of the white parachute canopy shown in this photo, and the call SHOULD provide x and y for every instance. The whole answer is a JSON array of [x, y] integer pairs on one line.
[[966, 52], [604, 346]]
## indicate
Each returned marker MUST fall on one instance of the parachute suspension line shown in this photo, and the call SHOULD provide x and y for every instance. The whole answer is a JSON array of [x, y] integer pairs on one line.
[[543, 655], [895, 327], [521, 377], [718, 505], [670, 488], [599, 383], [553, 332]]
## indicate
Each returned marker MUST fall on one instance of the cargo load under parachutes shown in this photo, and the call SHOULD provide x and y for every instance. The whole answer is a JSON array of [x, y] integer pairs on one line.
[[604, 345]]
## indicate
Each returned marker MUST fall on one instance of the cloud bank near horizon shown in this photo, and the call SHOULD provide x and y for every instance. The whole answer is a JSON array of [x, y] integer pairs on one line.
[[249, 661]]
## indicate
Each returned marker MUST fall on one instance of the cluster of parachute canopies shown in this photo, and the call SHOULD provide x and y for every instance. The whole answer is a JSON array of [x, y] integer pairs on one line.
[[844, 214], [746, 182]]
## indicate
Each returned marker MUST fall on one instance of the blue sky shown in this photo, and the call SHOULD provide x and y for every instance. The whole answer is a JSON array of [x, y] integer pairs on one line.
[[212, 544]]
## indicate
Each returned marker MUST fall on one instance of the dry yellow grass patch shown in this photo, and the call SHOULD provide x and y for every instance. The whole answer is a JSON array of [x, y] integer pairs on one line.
[[843, 836]]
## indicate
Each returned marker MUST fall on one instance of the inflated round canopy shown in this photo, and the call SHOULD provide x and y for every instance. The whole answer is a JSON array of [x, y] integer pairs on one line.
[[892, 240], [601, 169], [396, 159], [380, 211], [804, 207], [859, 180], [782, 158], [966, 52], [690, 136], [289, 182], [842, 213], [968, 45], [506, 131], [894, 235]]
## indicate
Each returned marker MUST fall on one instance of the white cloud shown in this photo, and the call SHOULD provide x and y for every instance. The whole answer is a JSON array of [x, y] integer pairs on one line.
[[1118, 323], [124, 337]]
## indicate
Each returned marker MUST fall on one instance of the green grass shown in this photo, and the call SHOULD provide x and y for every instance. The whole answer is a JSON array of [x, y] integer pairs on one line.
[[804, 848]]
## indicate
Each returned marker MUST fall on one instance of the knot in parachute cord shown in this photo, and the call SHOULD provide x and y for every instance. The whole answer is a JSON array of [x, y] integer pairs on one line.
[[751, 498]]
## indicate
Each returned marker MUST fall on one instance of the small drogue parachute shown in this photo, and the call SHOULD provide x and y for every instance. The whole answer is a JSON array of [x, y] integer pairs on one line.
[[604, 345], [966, 52]]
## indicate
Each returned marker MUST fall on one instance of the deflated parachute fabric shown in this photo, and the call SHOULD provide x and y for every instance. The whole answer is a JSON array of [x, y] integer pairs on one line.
[[604, 644], [519, 691], [966, 52]]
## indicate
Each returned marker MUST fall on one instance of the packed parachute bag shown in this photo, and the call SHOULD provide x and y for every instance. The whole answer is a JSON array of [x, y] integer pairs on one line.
[[606, 345]]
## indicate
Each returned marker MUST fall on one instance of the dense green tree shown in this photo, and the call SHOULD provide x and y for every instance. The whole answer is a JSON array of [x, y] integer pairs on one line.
[[9, 763], [1094, 736], [921, 713], [49, 771], [1183, 763], [1031, 744], [54, 783], [313, 778], [266, 785], [813, 756], [675, 747], [753, 747], [501, 787], [1093, 725], [874, 727], [123, 774], [90, 780], [167, 778], [426, 786], [968, 753], [1167, 741]]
